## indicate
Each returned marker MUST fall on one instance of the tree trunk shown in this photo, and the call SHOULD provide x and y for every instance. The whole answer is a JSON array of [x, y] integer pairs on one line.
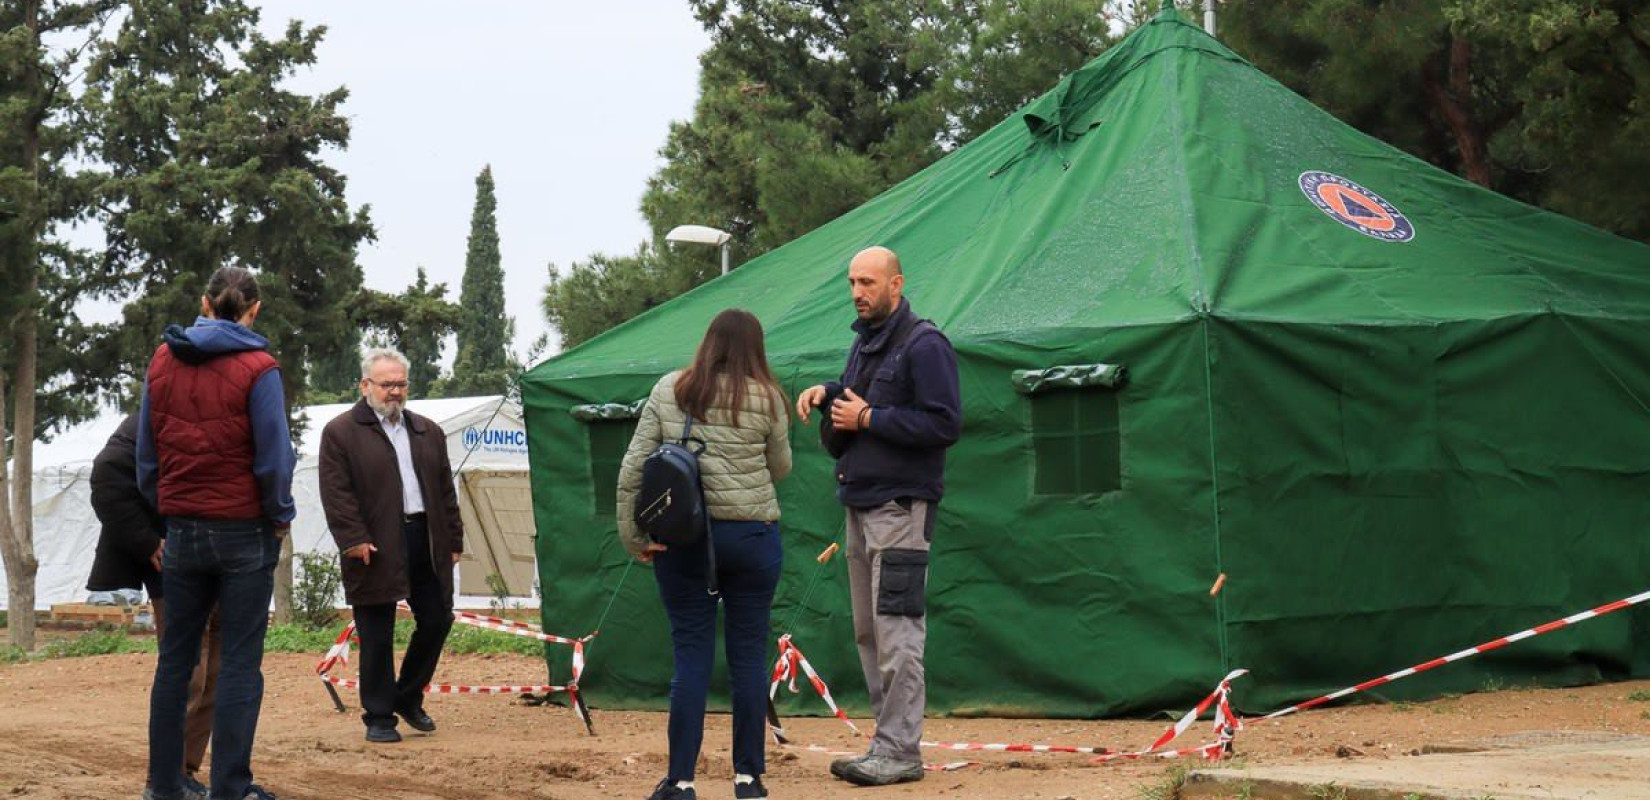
[[20, 581], [19, 562], [283, 582], [1451, 96]]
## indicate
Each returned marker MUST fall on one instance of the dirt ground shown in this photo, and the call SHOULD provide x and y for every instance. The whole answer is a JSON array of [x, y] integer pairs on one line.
[[75, 728]]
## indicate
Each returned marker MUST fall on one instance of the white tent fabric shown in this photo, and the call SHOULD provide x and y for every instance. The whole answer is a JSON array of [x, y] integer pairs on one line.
[[484, 434]]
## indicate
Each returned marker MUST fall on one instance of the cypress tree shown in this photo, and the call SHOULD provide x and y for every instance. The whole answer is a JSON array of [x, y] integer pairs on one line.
[[484, 331]]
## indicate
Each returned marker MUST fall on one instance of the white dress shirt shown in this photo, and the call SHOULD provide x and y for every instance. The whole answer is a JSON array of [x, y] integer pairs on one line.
[[412, 500]]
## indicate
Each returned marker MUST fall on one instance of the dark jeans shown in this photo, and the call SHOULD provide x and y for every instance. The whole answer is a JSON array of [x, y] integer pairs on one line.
[[203, 687], [748, 560], [229, 564], [382, 694]]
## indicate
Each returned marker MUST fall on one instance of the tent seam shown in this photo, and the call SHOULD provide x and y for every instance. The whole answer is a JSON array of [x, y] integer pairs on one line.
[[1203, 308]]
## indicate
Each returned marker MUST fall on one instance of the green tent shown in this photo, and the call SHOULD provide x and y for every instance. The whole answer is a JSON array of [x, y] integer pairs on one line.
[[1403, 414]]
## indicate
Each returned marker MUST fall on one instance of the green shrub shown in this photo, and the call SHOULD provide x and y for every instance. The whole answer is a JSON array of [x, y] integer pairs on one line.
[[315, 591]]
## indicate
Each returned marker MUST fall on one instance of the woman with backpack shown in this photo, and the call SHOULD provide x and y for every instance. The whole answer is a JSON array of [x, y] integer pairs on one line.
[[740, 413]]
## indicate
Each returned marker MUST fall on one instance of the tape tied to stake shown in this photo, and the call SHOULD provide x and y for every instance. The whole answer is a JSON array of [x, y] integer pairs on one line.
[[339, 654], [792, 662]]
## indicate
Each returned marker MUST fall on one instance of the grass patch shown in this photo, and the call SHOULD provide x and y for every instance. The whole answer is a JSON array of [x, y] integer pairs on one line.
[[1168, 788], [463, 639], [297, 638], [1327, 791], [468, 639], [1640, 696], [101, 641]]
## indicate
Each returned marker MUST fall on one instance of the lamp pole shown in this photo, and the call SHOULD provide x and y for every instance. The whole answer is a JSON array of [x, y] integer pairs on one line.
[[700, 234]]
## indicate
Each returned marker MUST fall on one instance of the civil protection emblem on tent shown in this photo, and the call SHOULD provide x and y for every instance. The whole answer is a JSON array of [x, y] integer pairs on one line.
[[1356, 207]]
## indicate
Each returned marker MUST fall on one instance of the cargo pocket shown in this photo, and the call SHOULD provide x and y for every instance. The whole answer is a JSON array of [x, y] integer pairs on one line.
[[903, 583]]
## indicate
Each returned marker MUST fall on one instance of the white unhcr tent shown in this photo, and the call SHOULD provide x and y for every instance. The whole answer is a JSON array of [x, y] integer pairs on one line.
[[486, 443]]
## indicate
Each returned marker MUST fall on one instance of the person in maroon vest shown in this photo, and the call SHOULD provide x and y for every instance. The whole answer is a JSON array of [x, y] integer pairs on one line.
[[128, 557], [214, 455]]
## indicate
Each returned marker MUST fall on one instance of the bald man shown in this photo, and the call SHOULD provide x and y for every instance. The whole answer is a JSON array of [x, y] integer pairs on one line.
[[888, 422]]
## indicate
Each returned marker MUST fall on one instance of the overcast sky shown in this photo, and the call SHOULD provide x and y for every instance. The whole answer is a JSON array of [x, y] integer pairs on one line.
[[568, 101]]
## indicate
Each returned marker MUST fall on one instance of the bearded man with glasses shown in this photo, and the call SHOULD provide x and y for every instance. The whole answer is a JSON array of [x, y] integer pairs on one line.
[[387, 489]]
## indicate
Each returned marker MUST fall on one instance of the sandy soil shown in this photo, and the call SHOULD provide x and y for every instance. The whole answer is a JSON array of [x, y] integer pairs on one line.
[[75, 728]]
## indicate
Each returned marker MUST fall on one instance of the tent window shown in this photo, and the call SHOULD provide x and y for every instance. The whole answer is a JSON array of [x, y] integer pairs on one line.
[[1076, 439], [608, 441]]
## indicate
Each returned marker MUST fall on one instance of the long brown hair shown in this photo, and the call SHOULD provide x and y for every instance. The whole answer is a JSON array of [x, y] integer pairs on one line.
[[731, 354]]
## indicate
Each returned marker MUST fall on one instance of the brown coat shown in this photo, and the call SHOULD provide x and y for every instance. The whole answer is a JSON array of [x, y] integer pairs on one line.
[[361, 493]]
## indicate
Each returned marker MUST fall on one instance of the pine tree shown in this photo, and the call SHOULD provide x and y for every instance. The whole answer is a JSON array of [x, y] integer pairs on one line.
[[210, 161], [39, 274], [484, 332], [413, 322], [807, 109]]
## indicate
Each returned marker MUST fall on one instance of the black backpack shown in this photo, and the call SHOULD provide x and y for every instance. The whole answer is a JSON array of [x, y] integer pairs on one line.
[[670, 508]]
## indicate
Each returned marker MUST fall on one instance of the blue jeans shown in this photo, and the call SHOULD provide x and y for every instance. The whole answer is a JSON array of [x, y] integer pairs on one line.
[[748, 559], [230, 564]]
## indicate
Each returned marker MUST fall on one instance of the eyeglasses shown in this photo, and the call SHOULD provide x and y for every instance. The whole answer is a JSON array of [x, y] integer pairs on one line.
[[389, 386]]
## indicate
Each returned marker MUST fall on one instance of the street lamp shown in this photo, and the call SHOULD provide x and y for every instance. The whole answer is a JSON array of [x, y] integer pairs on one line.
[[700, 234]]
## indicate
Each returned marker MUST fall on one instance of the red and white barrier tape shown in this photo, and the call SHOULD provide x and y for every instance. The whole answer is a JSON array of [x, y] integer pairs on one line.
[[510, 626], [791, 663], [339, 653], [1226, 726], [1493, 644], [1014, 748]]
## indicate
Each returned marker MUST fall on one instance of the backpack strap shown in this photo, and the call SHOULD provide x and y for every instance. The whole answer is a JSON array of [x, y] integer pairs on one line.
[[711, 586]]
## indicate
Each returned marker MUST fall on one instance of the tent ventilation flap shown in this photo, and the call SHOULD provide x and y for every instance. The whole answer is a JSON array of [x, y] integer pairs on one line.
[[600, 412], [1072, 376]]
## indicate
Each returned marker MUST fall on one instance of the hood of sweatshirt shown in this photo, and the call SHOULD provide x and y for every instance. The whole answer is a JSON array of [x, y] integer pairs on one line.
[[209, 338]]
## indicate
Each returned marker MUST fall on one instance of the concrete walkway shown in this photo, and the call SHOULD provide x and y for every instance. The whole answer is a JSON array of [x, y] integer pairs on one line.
[[1536, 766]]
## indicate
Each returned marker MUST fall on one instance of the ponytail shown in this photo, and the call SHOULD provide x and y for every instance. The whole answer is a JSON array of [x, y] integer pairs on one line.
[[231, 292]]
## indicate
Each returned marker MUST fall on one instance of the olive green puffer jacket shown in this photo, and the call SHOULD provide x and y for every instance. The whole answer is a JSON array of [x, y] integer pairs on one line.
[[740, 464]]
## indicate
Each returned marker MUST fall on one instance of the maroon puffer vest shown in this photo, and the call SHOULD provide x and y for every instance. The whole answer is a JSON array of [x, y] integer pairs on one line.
[[203, 434]]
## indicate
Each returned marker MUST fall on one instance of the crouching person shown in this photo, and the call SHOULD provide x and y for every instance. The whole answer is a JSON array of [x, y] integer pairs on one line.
[[387, 488]]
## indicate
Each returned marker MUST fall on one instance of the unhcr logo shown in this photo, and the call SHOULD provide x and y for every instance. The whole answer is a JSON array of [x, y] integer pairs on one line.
[[1356, 207], [493, 439]]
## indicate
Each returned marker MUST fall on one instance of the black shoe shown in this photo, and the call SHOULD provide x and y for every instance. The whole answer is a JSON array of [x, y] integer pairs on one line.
[[666, 790], [417, 720], [750, 791], [256, 792], [383, 734]]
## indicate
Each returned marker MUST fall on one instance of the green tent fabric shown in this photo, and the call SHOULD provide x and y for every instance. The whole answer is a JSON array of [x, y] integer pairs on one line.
[[1403, 414]]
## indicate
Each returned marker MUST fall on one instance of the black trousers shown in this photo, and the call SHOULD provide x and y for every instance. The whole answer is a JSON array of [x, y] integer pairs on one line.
[[382, 693]]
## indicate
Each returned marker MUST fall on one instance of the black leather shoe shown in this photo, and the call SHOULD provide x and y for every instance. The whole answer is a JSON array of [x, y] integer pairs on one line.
[[418, 720], [383, 734]]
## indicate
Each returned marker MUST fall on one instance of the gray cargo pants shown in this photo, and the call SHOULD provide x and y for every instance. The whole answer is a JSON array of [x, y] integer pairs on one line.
[[887, 578]]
